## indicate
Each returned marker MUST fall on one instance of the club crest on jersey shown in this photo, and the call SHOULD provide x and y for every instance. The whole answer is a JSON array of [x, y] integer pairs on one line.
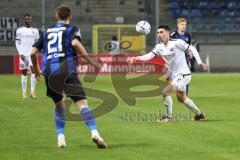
[[169, 56]]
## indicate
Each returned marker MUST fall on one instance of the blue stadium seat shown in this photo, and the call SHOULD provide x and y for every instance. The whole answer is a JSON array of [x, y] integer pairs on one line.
[[224, 13], [173, 5], [176, 12], [233, 5], [185, 13], [213, 5], [203, 4], [196, 13]]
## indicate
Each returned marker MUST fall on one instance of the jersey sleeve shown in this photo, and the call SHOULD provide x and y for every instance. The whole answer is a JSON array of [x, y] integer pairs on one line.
[[182, 45], [37, 35], [156, 50], [39, 43], [189, 39], [76, 33], [18, 41], [173, 35]]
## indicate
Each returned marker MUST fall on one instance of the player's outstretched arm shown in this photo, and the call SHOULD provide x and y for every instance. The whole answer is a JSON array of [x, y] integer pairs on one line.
[[145, 57], [82, 51], [195, 53], [33, 55]]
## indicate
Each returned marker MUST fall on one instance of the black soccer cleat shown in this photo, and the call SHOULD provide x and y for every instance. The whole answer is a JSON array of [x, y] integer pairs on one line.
[[99, 142], [199, 117]]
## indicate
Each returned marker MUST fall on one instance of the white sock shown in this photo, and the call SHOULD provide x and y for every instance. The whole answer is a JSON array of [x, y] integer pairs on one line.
[[24, 83], [168, 104], [190, 104], [94, 133], [33, 82]]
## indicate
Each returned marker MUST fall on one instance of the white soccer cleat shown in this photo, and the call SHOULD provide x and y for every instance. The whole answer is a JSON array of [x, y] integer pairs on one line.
[[33, 95], [165, 119], [99, 141], [24, 95], [61, 141]]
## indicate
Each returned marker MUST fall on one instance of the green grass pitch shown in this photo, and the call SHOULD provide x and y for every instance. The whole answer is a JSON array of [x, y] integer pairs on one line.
[[27, 130]]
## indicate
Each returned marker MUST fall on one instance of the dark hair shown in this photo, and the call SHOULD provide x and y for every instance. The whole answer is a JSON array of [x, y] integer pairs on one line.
[[166, 27], [63, 12], [27, 15]]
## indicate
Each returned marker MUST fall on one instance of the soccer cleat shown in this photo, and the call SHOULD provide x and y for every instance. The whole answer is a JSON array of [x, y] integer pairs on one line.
[[164, 119], [99, 142], [199, 117], [61, 141], [24, 95], [33, 95]]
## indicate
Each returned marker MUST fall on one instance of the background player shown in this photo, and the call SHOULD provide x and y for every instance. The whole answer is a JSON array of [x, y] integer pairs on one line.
[[25, 38], [181, 33], [173, 52], [59, 67]]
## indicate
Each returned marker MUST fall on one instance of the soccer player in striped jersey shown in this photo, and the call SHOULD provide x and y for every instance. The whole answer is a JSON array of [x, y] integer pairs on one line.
[[61, 45], [173, 52], [26, 36], [181, 33]]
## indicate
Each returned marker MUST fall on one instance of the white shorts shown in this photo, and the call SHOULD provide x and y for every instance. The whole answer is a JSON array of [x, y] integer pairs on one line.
[[23, 65], [181, 81]]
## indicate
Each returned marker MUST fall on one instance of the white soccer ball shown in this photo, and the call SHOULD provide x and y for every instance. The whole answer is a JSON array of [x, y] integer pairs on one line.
[[143, 27]]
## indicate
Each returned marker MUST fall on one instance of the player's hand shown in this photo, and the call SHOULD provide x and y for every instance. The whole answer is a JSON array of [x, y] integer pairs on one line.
[[169, 76], [24, 58], [190, 55], [131, 60], [203, 66], [38, 75]]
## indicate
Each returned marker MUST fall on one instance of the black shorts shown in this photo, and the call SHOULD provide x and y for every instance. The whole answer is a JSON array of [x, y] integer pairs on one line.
[[61, 83]]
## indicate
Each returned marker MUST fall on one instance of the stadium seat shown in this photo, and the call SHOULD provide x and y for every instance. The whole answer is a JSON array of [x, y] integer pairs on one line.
[[213, 5], [232, 5], [185, 13], [196, 13], [173, 5], [224, 13]]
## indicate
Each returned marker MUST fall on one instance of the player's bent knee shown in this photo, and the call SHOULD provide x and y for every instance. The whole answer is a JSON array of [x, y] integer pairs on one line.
[[60, 103], [168, 90], [180, 99], [82, 103]]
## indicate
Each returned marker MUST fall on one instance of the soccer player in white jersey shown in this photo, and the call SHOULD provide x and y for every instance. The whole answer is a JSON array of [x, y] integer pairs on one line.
[[173, 52], [26, 36]]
